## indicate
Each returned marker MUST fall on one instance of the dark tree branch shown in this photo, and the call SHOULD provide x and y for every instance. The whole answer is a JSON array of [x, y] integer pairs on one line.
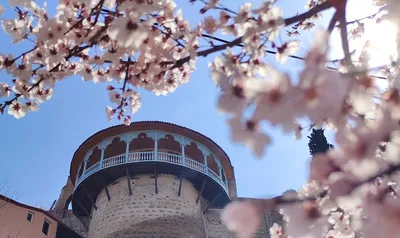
[[333, 21], [344, 37], [315, 10]]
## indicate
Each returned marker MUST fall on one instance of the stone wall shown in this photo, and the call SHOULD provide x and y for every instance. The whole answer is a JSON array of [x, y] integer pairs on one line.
[[146, 214], [216, 229], [65, 194], [75, 224]]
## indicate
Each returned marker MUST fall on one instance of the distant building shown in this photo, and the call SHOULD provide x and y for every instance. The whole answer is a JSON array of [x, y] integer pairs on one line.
[[18, 220]]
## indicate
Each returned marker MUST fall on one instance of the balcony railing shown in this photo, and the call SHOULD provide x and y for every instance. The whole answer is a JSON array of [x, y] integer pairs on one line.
[[140, 157]]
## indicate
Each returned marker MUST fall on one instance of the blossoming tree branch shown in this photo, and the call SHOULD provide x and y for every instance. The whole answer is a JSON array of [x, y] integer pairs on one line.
[[132, 44]]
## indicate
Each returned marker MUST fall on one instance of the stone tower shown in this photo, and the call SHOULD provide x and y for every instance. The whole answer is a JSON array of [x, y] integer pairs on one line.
[[150, 179]]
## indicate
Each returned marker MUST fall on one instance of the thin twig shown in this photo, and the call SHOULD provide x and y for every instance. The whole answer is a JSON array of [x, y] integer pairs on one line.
[[313, 11], [125, 82], [364, 18]]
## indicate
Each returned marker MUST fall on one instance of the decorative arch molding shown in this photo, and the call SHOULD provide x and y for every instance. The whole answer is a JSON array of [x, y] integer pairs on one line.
[[155, 135]]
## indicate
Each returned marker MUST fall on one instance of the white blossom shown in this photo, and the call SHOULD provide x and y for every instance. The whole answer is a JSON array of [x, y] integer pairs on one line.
[[286, 50], [128, 32], [4, 90], [276, 231], [110, 113], [17, 109]]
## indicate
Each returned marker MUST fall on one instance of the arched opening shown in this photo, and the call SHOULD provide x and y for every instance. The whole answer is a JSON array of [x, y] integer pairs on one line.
[[117, 147], [142, 143], [94, 158], [223, 175], [169, 144], [212, 164], [80, 171], [193, 152], [68, 203]]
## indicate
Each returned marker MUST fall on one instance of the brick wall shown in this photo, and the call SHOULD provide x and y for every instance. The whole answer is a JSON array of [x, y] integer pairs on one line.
[[75, 224], [146, 214], [214, 225]]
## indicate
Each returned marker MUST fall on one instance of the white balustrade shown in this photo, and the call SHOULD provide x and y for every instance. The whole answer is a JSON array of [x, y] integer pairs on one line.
[[135, 157]]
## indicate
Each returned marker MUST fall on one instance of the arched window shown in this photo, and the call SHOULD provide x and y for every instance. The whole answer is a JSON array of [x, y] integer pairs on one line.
[[68, 203]]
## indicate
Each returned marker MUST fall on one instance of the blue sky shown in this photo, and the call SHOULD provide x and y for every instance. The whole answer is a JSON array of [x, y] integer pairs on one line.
[[36, 151]]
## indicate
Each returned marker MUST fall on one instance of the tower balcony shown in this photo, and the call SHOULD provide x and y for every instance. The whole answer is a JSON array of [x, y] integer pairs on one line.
[[150, 148], [153, 156]]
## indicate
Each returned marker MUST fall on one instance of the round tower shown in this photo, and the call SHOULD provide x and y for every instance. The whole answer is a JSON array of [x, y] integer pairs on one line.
[[150, 179]]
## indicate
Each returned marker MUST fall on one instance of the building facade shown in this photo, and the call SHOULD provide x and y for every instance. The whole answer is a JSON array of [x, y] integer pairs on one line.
[[19, 220], [150, 179]]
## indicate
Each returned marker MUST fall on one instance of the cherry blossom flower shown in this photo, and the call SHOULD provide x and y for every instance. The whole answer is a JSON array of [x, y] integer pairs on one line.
[[41, 94], [17, 109], [276, 231], [321, 166], [249, 134], [271, 22], [17, 28], [50, 31], [273, 99], [242, 217], [244, 13], [382, 214], [32, 106], [115, 96], [265, 6], [4, 90], [134, 100], [304, 220], [110, 113], [286, 49], [316, 57], [341, 187], [129, 32], [127, 121], [23, 3], [1, 9], [210, 25], [341, 225]]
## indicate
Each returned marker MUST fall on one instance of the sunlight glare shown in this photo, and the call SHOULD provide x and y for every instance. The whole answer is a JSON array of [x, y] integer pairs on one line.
[[382, 45]]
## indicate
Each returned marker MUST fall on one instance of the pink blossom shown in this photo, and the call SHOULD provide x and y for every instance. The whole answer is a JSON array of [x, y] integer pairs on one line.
[[210, 25], [129, 32], [383, 219], [249, 134], [1, 9], [242, 217], [321, 166], [341, 187], [127, 121], [115, 96], [304, 220]]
